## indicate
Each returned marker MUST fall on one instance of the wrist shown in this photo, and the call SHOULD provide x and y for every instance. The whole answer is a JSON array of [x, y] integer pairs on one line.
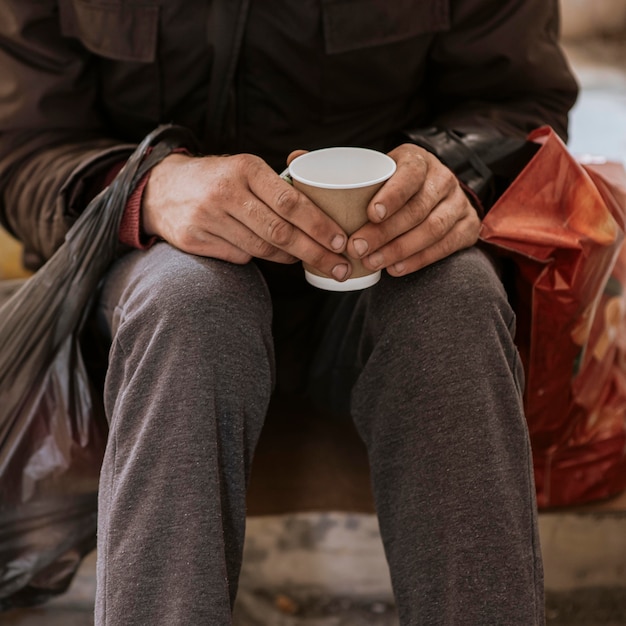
[[156, 193]]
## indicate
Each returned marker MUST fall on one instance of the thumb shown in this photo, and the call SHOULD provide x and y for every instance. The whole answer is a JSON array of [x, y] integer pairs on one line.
[[294, 154]]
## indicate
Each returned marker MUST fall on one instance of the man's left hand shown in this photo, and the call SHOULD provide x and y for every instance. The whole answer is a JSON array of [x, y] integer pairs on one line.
[[419, 216]]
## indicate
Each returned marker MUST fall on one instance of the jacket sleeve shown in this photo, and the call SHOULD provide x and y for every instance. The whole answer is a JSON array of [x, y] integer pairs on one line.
[[50, 134], [495, 75], [53, 141]]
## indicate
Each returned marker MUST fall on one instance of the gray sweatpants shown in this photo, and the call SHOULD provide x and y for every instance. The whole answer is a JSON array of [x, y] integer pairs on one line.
[[428, 367]]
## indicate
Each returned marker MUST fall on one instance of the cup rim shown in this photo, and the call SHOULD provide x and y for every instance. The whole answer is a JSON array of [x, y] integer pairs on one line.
[[351, 284], [314, 153]]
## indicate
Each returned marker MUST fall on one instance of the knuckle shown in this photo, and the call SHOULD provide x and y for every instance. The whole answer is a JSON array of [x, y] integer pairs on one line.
[[431, 188], [188, 237], [449, 178], [413, 160], [280, 233], [437, 225], [250, 209], [246, 166], [246, 161], [405, 150], [453, 243], [459, 195], [395, 250], [417, 209], [263, 249], [239, 257], [221, 187], [394, 196], [184, 241], [473, 229], [286, 201], [317, 259], [474, 220], [392, 253], [419, 161]]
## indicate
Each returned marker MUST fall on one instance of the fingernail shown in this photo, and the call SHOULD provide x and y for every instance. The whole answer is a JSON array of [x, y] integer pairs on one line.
[[376, 259], [337, 242], [381, 210], [361, 247], [399, 267], [340, 271]]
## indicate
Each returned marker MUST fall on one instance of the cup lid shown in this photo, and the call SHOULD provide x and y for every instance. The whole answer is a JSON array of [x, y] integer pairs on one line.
[[342, 168]]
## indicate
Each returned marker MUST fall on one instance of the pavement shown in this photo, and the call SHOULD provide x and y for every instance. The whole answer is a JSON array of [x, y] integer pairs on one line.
[[329, 569]]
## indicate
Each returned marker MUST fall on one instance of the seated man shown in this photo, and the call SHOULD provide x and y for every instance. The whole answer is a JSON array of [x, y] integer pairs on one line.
[[425, 363]]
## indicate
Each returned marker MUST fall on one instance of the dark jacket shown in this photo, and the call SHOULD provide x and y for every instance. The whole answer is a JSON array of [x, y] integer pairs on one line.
[[82, 81]]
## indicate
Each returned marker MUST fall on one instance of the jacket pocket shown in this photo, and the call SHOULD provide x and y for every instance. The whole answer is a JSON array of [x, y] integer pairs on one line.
[[116, 30], [353, 24]]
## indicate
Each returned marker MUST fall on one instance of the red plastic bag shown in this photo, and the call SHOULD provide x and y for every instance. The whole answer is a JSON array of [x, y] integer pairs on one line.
[[562, 224]]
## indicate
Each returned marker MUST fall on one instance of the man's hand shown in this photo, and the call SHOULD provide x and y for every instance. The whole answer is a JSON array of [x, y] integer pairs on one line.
[[419, 216], [235, 208]]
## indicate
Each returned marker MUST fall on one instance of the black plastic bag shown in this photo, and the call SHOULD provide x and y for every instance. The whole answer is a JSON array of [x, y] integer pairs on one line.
[[52, 426]]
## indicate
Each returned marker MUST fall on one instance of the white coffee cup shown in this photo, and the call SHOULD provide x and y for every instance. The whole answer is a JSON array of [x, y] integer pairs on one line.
[[342, 181]]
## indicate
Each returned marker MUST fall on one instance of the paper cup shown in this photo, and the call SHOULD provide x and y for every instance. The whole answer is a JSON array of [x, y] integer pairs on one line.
[[342, 181]]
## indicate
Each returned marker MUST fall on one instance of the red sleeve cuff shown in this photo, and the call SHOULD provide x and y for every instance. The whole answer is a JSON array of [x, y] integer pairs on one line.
[[130, 232], [474, 199], [130, 226]]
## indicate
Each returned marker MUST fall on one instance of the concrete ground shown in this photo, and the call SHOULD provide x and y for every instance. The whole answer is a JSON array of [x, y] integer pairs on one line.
[[328, 569], [334, 573]]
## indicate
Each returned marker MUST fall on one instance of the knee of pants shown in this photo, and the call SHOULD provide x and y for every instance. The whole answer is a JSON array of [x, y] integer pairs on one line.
[[457, 296], [208, 316], [191, 293], [448, 324], [443, 349]]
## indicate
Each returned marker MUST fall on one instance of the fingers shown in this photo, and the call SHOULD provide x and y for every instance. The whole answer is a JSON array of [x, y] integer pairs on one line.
[[295, 208], [411, 172], [288, 220], [236, 208], [427, 216], [420, 184], [295, 154], [428, 219], [241, 200], [253, 230], [265, 234], [463, 234], [237, 244], [452, 225]]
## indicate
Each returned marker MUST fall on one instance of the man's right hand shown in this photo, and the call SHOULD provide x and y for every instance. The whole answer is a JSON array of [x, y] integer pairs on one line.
[[235, 208]]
